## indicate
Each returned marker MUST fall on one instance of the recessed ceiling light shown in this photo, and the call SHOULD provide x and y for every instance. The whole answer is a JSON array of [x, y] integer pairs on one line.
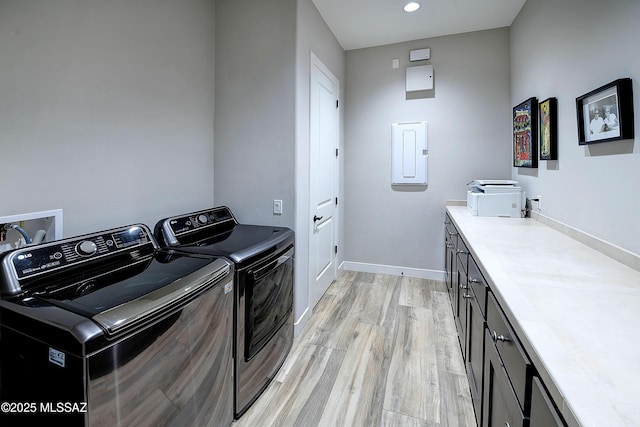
[[411, 6]]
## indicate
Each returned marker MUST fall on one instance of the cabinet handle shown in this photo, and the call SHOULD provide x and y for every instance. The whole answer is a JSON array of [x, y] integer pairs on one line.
[[467, 296], [460, 251], [463, 286], [497, 337], [474, 280]]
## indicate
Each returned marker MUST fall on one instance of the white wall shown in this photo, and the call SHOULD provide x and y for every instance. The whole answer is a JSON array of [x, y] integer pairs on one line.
[[255, 109], [566, 49], [97, 99], [468, 135], [313, 35]]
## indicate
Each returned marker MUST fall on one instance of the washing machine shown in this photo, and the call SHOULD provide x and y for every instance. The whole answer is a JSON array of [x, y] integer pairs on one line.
[[263, 258], [106, 329]]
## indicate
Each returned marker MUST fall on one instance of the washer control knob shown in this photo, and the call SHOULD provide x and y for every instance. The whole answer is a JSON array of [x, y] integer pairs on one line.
[[202, 219], [86, 248]]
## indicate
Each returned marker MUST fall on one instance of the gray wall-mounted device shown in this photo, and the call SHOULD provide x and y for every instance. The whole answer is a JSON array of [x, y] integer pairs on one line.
[[419, 54]]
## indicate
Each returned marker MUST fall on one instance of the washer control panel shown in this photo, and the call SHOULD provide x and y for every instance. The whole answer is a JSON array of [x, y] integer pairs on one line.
[[40, 259], [181, 225]]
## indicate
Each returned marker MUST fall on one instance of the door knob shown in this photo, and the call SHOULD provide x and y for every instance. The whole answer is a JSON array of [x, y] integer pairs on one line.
[[316, 218]]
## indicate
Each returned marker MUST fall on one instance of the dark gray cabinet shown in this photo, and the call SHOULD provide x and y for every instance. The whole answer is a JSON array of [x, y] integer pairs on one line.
[[475, 332], [501, 407], [504, 355], [464, 282], [503, 382], [450, 246], [460, 291], [515, 360], [543, 411]]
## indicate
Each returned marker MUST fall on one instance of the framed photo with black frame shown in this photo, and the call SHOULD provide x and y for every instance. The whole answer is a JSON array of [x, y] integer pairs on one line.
[[606, 114], [548, 129], [525, 134]]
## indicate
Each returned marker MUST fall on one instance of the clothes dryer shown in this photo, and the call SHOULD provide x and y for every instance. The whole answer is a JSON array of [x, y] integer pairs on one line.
[[263, 258]]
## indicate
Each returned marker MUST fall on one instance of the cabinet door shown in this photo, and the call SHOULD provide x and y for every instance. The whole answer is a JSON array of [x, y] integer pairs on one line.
[[500, 405], [449, 261], [462, 283], [475, 354], [543, 412], [460, 311], [515, 360], [451, 244]]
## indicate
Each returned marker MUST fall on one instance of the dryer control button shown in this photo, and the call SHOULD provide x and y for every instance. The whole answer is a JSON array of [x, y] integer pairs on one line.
[[86, 248], [202, 219]]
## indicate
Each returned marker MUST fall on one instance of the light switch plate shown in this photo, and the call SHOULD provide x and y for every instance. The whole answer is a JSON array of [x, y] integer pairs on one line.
[[277, 207]]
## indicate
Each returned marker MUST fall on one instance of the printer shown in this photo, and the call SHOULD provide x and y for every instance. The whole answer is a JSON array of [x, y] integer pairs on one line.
[[495, 197]]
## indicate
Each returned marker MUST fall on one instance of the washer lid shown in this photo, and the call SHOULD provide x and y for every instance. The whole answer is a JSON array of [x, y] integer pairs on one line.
[[175, 290], [130, 284]]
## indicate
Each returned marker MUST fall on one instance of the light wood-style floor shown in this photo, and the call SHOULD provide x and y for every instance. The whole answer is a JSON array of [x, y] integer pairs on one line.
[[378, 351]]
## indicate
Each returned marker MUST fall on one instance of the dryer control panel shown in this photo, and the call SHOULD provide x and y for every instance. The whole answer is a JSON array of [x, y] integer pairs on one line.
[[174, 228]]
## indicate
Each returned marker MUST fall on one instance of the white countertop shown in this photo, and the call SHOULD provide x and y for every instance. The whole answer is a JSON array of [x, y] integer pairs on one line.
[[576, 311]]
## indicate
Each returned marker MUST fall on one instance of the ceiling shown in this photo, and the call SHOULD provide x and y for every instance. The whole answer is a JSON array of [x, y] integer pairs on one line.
[[365, 23]]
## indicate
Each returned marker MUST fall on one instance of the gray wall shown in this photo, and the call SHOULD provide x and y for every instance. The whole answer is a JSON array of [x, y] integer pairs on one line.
[[97, 98], [313, 35], [566, 49], [255, 109], [262, 115], [468, 135]]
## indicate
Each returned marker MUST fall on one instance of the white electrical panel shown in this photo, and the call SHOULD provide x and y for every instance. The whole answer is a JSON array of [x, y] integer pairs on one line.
[[409, 153], [419, 78]]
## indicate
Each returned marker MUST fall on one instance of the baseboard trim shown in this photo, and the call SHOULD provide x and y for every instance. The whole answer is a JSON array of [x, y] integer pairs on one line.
[[419, 273], [301, 322]]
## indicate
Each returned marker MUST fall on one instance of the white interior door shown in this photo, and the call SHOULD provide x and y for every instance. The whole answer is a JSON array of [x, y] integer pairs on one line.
[[324, 135]]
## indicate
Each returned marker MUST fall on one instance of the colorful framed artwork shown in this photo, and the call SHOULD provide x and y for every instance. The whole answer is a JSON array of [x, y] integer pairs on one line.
[[606, 114], [525, 134], [548, 129]]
